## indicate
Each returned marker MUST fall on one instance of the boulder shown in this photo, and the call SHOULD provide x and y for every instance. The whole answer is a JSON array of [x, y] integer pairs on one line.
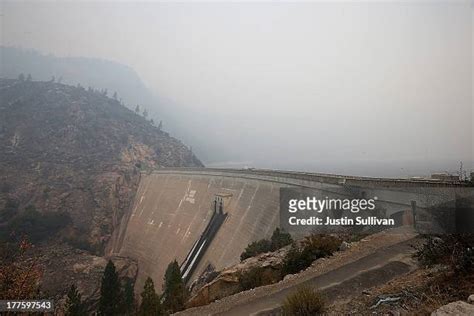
[[344, 246], [454, 308], [227, 281]]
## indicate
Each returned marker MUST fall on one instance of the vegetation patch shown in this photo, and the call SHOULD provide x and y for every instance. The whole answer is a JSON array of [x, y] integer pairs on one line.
[[278, 240], [313, 247], [37, 226], [445, 276], [456, 251], [82, 242], [9, 210], [306, 301], [299, 257], [175, 292], [20, 273], [420, 292], [151, 304]]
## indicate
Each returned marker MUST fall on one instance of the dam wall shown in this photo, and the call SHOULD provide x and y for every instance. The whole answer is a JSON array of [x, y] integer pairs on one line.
[[172, 210], [173, 207]]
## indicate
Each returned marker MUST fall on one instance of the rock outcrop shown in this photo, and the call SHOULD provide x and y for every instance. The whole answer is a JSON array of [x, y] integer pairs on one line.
[[454, 308], [227, 281]]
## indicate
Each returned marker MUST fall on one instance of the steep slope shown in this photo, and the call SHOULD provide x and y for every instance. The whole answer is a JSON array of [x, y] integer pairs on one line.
[[70, 165], [67, 150]]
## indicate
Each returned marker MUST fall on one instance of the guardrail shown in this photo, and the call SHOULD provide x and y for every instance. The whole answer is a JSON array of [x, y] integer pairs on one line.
[[315, 177]]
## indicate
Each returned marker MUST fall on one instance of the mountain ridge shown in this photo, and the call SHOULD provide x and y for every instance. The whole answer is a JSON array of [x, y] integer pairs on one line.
[[94, 72]]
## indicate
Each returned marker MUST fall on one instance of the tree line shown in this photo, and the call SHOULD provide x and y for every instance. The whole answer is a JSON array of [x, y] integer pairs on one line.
[[118, 299], [144, 113]]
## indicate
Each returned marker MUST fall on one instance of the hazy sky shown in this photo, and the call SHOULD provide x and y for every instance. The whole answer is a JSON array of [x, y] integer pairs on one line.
[[350, 87]]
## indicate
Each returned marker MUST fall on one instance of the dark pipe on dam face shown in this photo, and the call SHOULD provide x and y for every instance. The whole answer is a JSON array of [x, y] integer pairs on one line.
[[200, 246]]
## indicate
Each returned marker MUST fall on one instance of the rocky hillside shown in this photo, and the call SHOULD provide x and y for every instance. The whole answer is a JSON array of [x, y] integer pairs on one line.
[[67, 149]]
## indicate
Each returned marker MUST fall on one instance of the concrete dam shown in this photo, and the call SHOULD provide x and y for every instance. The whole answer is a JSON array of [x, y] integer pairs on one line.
[[206, 217]]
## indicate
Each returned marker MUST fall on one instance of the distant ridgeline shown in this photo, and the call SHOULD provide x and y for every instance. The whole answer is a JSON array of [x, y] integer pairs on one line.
[[101, 74], [96, 73]]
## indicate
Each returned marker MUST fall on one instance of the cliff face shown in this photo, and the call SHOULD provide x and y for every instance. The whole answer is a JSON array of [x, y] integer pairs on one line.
[[66, 149]]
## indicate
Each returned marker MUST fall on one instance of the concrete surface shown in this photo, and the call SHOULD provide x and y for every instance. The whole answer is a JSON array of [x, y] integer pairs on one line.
[[173, 206]]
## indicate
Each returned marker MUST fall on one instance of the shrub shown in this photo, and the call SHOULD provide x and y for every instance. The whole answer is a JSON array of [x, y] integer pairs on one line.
[[82, 242], [278, 240], [313, 248], [465, 260], [322, 245], [295, 261], [456, 251], [432, 251], [306, 301], [9, 210], [19, 280], [255, 248], [37, 226], [258, 276]]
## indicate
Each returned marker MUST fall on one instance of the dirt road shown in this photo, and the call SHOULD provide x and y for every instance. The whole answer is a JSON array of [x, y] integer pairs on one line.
[[373, 261]]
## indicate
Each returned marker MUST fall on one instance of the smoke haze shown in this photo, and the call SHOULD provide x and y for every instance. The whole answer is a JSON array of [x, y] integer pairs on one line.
[[371, 88]]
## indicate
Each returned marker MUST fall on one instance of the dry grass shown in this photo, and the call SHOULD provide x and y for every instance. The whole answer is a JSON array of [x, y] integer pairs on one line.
[[422, 291], [306, 301]]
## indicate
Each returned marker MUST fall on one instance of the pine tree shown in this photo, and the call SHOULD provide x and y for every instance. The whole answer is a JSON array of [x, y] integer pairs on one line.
[[21, 77], [74, 305], [174, 289], [128, 307], [160, 126], [145, 113], [110, 298], [137, 109], [151, 305], [115, 95], [28, 78]]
